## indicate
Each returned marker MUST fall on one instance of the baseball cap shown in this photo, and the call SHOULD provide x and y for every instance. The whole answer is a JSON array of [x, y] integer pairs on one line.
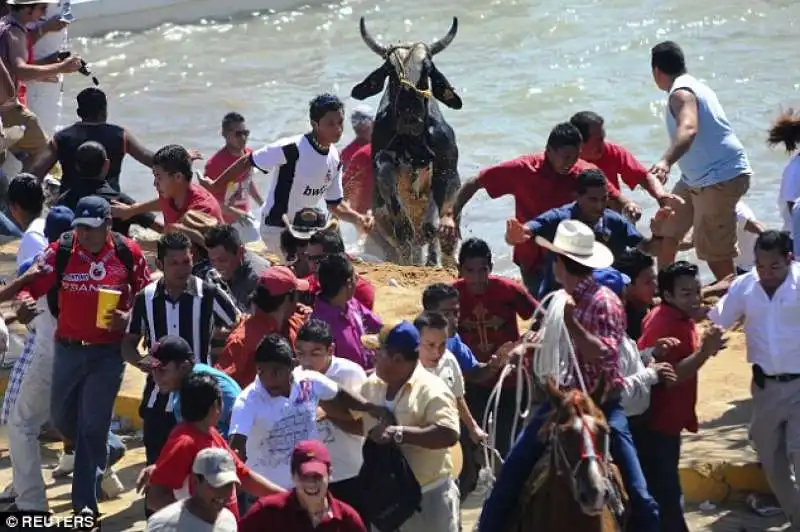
[[612, 279], [308, 221], [402, 336], [170, 349], [311, 456], [361, 114], [58, 221], [216, 466], [92, 211], [280, 280]]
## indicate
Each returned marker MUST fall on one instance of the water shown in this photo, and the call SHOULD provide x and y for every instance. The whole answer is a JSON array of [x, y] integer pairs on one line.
[[520, 66]]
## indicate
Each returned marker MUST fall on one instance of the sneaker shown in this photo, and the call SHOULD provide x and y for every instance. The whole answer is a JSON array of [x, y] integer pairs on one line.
[[111, 485], [86, 520], [66, 465]]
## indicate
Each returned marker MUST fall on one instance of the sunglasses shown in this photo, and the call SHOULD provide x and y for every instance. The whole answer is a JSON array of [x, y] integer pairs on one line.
[[242, 133], [316, 258]]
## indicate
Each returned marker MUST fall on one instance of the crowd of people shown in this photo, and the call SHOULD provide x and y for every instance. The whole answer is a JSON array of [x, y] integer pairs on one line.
[[276, 398]]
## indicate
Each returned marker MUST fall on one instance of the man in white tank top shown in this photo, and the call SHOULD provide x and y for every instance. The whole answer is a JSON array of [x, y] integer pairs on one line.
[[715, 171]]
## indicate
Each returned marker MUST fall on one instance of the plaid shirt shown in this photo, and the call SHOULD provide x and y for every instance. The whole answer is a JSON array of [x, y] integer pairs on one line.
[[15, 379], [602, 314]]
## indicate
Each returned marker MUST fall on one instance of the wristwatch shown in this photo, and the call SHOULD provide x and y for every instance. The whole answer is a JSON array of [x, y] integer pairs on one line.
[[398, 435]]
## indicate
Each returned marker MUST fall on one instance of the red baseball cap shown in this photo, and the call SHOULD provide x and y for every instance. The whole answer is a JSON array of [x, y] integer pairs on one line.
[[280, 280], [311, 457]]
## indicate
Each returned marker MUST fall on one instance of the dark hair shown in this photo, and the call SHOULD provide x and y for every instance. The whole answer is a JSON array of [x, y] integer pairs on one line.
[[633, 262], [174, 159], [274, 348], [334, 272], [590, 178], [172, 241], [224, 235], [432, 320], [574, 268], [437, 293], [199, 392], [584, 120], [773, 240], [231, 118], [92, 104], [316, 331], [563, 135], [322, 104], [266, 301], [668, 57], [289, 244], [669, 274], [330, 240], [475, 248], [785, 130], [25, 192], [90, 157]]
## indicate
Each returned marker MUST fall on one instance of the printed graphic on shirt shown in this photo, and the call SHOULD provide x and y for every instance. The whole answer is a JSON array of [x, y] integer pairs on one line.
[[483, 326], [276, 445]]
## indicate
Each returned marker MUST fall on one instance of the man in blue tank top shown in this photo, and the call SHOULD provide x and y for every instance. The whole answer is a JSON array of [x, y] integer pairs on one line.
[[715, 171]]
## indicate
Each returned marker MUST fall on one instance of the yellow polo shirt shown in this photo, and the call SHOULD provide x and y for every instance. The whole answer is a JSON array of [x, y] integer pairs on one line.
[[422, 401]]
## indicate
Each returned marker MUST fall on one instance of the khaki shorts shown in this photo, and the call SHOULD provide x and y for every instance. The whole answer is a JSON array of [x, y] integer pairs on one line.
[[712, 212], [34, 138]]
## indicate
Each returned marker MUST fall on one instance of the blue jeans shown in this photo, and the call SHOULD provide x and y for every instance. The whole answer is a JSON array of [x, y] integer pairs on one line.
[[529, 448], [532, 279], [116, 449], [796, 229], [86, 380], [8, 227]]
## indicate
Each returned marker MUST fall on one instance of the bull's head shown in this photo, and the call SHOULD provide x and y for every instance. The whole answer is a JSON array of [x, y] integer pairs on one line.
[[413, 79]]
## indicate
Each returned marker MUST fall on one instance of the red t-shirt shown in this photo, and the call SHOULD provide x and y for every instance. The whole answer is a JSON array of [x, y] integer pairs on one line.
[[536, 188], [346, 155], [672, 409], [618, 163], [364, 294], [358, 180], [237, 193], [282, 512], [489, 320], [84, 274], [197, 199], [174, 464]]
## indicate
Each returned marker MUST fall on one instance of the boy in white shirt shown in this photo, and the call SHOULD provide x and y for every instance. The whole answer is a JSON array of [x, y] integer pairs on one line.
[[747, 230]]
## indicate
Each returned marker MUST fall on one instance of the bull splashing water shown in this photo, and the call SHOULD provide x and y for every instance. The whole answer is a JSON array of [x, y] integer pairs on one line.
[[414, 151]]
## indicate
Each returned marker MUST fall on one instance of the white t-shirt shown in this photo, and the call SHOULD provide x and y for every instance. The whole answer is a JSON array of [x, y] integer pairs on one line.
[[790, 190], [33, 241], [345, 448], [274, 425], [747, 240], [299, 184], [176, 518], [450, 372]]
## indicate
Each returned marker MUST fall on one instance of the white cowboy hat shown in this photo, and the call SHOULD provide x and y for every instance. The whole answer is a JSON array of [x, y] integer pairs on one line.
[[576, 240], [308, 221], [30, 2]]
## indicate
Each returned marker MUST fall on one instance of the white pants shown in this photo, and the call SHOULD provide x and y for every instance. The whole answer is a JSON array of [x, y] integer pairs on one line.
[[440, 511], [45, 100], [30, 412], [271, 236]]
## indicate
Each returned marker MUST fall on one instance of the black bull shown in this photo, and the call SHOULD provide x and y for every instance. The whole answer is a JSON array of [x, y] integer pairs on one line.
[[414, 151]]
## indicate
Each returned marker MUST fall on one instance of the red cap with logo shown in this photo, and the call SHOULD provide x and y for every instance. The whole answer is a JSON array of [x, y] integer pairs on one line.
[[311, 457], [280, 280]]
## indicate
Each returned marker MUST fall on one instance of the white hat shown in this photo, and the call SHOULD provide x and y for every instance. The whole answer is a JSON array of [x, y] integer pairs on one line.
[[216, 466], [30, 2], [576, 240], [362, 114]]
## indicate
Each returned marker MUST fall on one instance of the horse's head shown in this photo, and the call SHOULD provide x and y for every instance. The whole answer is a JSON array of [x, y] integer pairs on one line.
[[578, 440]]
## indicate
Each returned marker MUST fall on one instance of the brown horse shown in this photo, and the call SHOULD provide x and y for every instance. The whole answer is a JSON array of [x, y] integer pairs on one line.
[[574, 486]]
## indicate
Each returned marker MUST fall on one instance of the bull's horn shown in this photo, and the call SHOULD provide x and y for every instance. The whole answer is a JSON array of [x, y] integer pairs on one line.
[[444, 42], [370, 41]]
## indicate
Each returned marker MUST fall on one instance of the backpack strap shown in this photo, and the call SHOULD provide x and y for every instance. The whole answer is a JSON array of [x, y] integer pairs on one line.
[[63, 254], [123, 253]]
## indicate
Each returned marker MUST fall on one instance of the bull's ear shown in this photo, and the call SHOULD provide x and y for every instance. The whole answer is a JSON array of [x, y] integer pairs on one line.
[[372, 84], [442, 90]]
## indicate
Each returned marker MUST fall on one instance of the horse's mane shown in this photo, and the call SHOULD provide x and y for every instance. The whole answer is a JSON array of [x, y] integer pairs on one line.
[[575, 403]]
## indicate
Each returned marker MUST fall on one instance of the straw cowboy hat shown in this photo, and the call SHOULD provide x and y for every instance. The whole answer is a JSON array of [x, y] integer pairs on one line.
[[9, 136], [576, 240], [30, 2], [195, 225], [307, 222]]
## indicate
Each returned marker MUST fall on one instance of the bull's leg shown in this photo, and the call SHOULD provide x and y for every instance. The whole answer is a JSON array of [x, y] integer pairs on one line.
[[429, 229], [386, 170]]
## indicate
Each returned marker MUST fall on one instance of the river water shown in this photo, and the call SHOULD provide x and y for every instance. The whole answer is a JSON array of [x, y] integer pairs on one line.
[[521, 66]]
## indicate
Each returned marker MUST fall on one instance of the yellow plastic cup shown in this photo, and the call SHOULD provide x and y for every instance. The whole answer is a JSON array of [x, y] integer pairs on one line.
[[107, 299]]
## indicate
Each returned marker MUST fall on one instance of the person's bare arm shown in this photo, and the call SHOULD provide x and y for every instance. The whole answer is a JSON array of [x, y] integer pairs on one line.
[[135, 149], [239, 445], [243, 164], [44, 160], [255, 194], [255, 484], [683, 106], [24, 71], [345, 212], [8, 90], [754, 226], [465, 193], [430, 437], [126, 212]]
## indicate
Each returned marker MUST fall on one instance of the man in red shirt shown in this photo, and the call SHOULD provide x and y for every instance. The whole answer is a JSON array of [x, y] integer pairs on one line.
[[672, 407], [88, 365], [617, 163], [235, 198], [177, 194], [362, 119], [358, 181], [310, 505], [489, 307], [538, 182]]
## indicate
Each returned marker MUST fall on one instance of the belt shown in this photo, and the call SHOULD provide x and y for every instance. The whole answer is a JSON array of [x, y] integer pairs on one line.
[[67, 342], [783, 377]]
